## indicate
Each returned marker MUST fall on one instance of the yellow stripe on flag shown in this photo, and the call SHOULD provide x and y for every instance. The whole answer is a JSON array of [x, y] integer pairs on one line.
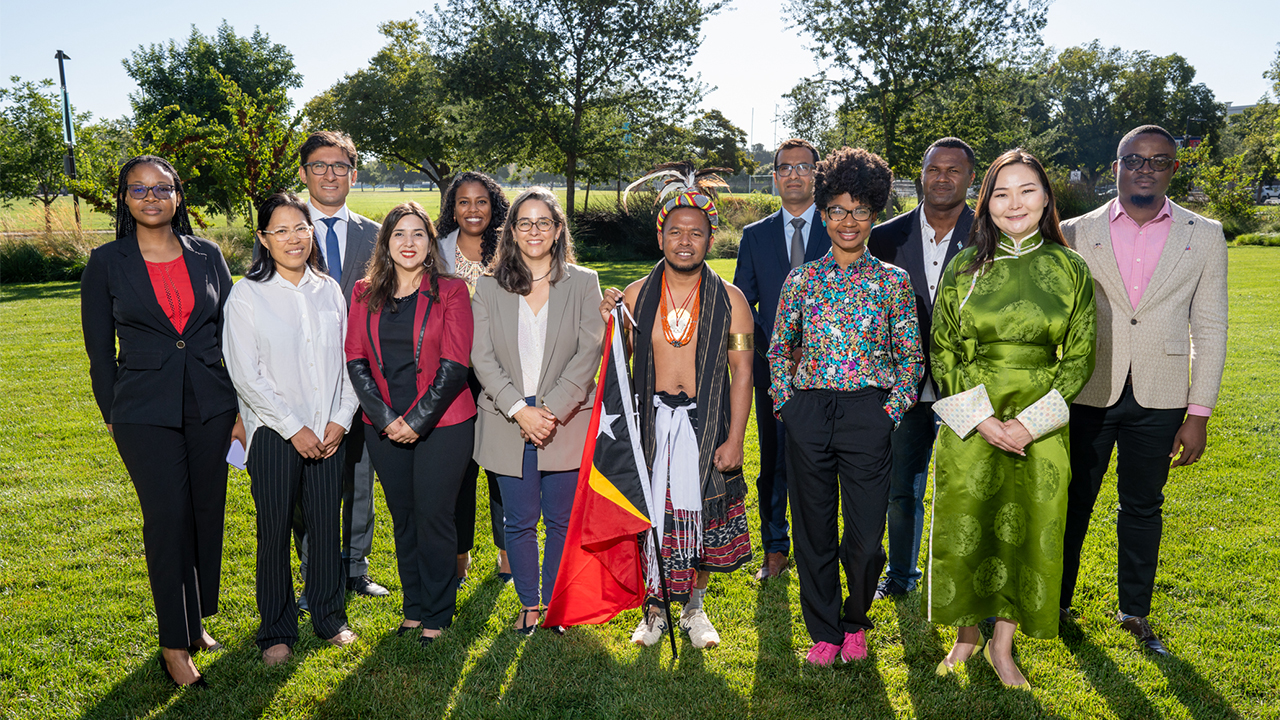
[[601, 484]]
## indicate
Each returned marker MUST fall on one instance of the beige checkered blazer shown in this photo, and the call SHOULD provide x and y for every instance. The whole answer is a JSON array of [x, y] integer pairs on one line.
[[1175, 341]]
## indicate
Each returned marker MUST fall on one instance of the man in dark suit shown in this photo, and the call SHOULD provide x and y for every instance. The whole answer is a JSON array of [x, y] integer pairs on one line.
[[921, 242], [328, 166], [770, 249]]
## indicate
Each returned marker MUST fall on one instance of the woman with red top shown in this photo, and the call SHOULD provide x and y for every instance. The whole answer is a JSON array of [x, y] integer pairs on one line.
[[165, 396], [408, 343]]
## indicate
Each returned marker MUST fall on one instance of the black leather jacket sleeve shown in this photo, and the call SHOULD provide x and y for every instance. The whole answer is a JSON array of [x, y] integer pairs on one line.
[[380, 413], [450, 380]]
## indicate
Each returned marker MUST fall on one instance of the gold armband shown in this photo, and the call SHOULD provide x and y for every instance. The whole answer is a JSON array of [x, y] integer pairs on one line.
[[742, 341]]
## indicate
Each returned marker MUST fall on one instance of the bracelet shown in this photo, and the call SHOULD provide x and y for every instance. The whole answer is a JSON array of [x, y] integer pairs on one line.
[[742, 341]]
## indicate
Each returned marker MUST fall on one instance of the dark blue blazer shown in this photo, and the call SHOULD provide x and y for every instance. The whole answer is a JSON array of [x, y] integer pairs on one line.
[[898, 242], [764, 261], [143, 382]]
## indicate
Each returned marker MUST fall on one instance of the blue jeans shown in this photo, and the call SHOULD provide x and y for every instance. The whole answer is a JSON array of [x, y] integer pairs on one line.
[[912, 448], [537, 494]]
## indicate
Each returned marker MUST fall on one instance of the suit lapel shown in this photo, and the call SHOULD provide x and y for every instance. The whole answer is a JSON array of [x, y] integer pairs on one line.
[[1175, 248], [135, 268], [781, 250], [819, 243], [911, 252], [1095, 243], [960, 236], [557, 303], [197, 270], [509, 317]]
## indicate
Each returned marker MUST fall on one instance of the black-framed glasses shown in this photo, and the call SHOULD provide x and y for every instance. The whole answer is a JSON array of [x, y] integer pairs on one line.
[[861, 213], [801, 169], [320, 168], [1159, 163], [161, 192], [543, 224], [301, 232]]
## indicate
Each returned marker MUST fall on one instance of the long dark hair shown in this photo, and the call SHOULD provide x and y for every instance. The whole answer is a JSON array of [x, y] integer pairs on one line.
[[508, 267], [264, 266], [125, 224], [984, 235], [498, 206], [380, 273]]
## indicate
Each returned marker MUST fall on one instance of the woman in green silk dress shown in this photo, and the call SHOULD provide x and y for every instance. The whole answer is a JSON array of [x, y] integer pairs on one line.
[[1013, 344]]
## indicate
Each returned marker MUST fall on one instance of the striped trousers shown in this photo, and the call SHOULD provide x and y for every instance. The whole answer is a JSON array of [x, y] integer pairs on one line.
[[280, 479]]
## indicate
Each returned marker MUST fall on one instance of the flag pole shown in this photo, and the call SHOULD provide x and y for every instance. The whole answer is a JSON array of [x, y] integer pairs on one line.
[[666, 592]]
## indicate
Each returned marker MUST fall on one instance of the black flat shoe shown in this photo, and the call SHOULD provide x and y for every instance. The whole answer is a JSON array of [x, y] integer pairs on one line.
[[215, 647], [525, 627], [199, 682], [404, 629], [425, 640]]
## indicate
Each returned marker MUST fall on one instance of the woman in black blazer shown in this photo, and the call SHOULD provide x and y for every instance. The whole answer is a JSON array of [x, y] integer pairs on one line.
[[166, 397]]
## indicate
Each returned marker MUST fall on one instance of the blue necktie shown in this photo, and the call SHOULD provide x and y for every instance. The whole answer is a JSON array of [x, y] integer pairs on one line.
[[331, 251]]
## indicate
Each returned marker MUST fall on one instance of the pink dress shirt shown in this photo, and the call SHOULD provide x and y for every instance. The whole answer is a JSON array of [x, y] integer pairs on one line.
[[1137, 249]]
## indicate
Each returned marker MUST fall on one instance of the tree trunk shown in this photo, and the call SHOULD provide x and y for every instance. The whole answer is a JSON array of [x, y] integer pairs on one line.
[[890, 140], [48, 215], [586, 198], [570, 180]]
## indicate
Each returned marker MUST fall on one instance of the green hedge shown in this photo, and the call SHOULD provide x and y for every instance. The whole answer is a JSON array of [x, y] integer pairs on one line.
[[1264, 239]]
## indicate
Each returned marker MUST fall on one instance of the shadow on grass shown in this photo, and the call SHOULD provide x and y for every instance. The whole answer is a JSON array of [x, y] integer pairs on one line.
[[400, 678], [1124, 698], [10, 292], [239, 686], [1194, 692]]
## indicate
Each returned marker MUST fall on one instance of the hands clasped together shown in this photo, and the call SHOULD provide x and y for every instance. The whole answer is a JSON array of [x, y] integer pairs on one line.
[[1010, 435]]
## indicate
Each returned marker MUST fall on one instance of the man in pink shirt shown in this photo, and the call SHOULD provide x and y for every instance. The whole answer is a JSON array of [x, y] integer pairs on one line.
[[1160, 272]]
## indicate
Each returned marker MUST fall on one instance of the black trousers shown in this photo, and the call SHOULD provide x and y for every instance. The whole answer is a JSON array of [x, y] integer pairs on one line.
[[1143, 437], [464, 512], [838, 447], [771, 485], [280, 481], [180, 475], [421, 482]]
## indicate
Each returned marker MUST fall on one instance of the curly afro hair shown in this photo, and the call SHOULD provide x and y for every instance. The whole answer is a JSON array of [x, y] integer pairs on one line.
[[864, 175]]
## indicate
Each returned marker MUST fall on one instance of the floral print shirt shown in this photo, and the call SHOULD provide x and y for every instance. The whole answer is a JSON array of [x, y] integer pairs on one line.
[[855, 327]]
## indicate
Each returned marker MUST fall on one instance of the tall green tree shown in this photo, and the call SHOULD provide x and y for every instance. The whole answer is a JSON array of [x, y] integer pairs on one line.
[[720, 143], [31, 147], [545, 82], [188, 76], [893, 53], [396, 107]]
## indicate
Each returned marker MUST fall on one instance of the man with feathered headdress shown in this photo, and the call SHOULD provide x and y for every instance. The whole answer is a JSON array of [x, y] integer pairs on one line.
[[692, 357]]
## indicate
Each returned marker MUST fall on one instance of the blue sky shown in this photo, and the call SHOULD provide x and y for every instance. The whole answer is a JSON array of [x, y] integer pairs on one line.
[[749, 53]]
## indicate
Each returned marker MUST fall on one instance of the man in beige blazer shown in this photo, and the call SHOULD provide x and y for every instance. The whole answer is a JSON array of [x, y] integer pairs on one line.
[[1161, 277]]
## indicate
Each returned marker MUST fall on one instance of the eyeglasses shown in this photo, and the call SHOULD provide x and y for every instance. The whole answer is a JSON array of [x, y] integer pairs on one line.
[[544, 224], [837, 213], [302, 232], [321, 168], [161, 192], [801, 169], [1159, 163]]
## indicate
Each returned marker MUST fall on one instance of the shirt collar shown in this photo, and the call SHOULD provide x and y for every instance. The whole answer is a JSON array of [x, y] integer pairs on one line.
[[804, 215], [828, 262], [317, 214], [308, 276], [1117, 210]]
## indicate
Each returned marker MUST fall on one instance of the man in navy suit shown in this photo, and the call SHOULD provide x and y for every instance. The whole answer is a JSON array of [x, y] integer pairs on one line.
[[770, 249], [921, 242]]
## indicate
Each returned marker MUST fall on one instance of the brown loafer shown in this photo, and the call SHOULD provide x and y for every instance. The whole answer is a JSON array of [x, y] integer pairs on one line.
[[763, 573], [276, 655], [1141, 630], [344, 638], [777, 563]]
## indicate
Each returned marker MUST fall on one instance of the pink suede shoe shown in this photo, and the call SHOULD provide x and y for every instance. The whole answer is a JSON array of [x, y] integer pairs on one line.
[[854, 646], [822, 653]]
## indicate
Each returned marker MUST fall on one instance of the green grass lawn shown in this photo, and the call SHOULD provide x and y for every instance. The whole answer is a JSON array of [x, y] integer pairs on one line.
[[78, 632]]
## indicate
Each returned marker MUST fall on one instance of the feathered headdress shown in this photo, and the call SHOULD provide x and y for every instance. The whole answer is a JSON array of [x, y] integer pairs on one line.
[[693, 188]]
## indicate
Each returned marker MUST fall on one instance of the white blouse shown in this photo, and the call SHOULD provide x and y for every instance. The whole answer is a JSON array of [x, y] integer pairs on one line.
[[532, 340], [283, 349]]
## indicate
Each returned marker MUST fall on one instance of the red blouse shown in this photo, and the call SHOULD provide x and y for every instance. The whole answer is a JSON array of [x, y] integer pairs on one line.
[[172, 285]]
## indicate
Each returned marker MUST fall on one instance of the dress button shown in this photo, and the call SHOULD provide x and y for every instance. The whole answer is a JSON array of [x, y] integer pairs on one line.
[[1134, 321], [181, 344]]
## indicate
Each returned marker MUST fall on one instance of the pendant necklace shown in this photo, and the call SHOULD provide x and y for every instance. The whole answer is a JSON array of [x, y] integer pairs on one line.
[[678, 323]]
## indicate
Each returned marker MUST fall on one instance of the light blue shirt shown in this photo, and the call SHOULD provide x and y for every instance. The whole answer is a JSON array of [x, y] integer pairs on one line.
[[807, 216]]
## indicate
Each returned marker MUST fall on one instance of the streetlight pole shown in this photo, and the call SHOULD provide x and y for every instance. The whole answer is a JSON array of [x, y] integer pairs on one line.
[[68, 135]]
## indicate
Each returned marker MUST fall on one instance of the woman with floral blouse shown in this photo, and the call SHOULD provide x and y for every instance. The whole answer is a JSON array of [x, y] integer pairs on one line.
[[845, 360]]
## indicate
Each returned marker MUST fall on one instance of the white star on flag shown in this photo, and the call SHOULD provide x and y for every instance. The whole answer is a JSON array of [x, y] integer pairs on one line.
[[606, 421]]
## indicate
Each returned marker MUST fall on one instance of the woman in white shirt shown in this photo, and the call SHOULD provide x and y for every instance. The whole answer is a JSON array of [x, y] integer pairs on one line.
[[538, 333], [285, 325]]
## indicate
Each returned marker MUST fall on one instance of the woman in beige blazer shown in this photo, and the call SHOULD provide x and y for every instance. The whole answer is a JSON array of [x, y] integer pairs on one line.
[[537, 344]]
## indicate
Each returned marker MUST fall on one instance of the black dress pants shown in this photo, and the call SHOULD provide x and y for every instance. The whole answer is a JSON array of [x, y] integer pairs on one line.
[[465, 509], [838, 449], [180, 475], [771, 485], [1143, 438], [282, 480], [421, 482]]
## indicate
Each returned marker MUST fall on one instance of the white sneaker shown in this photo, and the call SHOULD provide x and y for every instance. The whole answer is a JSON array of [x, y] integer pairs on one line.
[[650, 629], [701, 632]]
